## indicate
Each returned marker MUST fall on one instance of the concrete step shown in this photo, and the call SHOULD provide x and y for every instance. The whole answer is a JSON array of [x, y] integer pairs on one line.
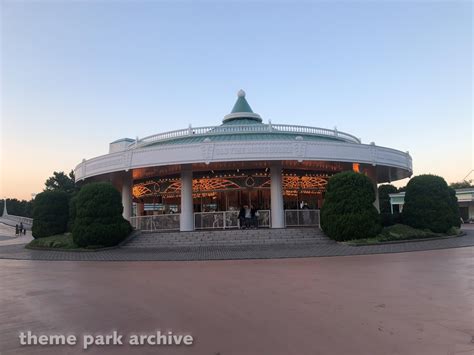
[[290, 236], [232, 243], [229, 235], [226, 239], [261, 240]]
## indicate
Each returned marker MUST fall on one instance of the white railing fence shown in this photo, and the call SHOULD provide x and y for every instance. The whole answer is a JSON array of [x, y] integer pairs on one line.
[[19, 219], [226, 219], [302, 218], [160, 222], [236, 129], [223, 220]]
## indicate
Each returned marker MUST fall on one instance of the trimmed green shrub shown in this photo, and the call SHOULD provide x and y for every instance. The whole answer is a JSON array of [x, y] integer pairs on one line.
[[384, 198], [72, 212], [430, 204], [348, 211], [62, 241], [98, 220], [455, 215], [386, 216], [50, 214], [453, 231], [389, 219]]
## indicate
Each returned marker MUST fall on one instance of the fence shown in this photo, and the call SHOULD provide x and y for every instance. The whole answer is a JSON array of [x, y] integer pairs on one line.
[[226, 219], [28, 222], [242, 129], [302, 218], [223, 220], [160, 222]]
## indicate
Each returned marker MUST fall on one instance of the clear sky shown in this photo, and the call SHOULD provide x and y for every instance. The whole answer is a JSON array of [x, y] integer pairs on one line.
[[76, 75]]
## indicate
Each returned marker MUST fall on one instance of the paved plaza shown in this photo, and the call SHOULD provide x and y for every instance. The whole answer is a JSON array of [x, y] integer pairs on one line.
[[7, 236], [405, 303]]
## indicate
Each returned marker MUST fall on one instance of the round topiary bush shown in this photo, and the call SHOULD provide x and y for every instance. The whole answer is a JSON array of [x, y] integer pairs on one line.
[[348, 211], [456, 215], [50, 214], [386, 216], [72, 212], [98, 220], [430, 204]]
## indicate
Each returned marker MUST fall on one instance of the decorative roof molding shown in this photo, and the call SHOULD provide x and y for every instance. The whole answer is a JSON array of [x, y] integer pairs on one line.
[[278, 150], [237, 115]]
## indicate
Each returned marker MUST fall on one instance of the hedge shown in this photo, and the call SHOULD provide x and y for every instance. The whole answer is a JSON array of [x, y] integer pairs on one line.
[[348, 211], [50, 213], [430, 204], [98, 216]]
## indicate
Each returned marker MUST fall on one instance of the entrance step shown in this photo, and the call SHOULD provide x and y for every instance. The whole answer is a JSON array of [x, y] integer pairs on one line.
[[289, 236]]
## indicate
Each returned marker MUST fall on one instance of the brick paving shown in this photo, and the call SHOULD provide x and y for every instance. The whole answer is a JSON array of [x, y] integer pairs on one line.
[[232, 252]]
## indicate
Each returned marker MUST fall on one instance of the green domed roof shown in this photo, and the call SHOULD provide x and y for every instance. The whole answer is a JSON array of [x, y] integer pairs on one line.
[[242, 124], [248, 137]]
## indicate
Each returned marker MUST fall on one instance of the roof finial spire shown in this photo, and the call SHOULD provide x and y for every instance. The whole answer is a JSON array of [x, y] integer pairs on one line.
[[242, 112]]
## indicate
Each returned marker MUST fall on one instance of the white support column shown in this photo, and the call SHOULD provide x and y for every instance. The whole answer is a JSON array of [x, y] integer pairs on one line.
[[278, 215], [186, 219], [377, 202], [127, 183], [372, 174]]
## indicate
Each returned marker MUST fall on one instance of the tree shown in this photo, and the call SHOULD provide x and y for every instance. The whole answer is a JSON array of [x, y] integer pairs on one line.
[[72, 212], [430, 204], [348, 211], [461, 185], [66, 183], [17, 207], [50, 213], [402, 189], [98, 220], [61, 182]]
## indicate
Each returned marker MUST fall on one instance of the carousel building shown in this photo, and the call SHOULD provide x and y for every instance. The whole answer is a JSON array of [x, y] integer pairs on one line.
[[200, 177]]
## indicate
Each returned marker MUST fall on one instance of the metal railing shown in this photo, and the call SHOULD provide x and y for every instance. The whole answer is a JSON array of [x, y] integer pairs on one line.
[[223, 220], [226, 219], [159, 222], [19, 219], [302, 218], [242, 129]]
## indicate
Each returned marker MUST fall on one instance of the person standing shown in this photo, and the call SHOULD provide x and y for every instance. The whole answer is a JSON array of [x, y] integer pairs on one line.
[[254, 216], [248, 217], [242, 216], [16, 229], [21, 228]]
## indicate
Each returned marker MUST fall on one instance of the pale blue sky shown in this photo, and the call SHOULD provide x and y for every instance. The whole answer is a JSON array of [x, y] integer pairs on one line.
[[77, 75]]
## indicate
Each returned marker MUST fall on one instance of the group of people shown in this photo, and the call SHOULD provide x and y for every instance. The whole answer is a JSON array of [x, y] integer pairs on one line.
[[20, 229], [248, 217]]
